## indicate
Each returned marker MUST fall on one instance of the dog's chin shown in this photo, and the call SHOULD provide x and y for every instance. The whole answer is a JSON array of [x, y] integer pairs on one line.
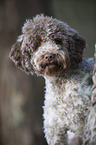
[[53, 70]]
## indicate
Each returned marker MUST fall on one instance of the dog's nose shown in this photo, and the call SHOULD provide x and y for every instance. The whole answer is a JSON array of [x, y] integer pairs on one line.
[[49, 56]]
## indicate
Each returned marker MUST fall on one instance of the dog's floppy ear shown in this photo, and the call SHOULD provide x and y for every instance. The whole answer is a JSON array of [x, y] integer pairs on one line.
[[76, 48], [20, 57]]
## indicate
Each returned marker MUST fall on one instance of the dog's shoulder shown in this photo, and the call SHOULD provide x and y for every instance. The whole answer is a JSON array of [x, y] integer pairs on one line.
[[86, 66]]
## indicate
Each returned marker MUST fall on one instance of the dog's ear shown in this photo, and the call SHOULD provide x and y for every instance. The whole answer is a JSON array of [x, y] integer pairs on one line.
[[77, 44], [20, 57]]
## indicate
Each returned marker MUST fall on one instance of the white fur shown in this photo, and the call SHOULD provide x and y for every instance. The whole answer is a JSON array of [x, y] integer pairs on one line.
[[63, 107]]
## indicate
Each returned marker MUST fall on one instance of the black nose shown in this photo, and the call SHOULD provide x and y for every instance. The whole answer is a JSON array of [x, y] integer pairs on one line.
[[49, 56]]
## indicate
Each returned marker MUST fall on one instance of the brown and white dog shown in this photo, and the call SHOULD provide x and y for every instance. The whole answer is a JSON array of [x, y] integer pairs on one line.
[[50, 48]]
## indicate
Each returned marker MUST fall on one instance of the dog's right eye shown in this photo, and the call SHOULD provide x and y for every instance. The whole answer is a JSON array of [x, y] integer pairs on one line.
[[58, 41]]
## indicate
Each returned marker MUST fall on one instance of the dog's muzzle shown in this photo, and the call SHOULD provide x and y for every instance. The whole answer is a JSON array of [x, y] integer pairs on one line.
[[52, 64]]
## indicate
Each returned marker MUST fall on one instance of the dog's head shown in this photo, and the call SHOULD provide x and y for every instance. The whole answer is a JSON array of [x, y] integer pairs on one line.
[[47, 46]]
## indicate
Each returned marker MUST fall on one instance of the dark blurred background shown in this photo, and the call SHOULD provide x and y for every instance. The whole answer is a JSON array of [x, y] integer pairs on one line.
[[21, 96]]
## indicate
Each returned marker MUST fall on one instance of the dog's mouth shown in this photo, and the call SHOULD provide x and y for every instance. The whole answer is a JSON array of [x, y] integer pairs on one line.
[[52, 65]]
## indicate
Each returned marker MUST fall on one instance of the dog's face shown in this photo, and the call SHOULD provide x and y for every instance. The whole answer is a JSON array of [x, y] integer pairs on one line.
[[47, 47], [49, 59]]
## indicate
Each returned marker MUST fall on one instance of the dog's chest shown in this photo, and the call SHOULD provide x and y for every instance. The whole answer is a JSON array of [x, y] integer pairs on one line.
[[64, 104]]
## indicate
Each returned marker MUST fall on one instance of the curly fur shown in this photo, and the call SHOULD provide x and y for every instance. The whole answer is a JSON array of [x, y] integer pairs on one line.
[[52, 49]]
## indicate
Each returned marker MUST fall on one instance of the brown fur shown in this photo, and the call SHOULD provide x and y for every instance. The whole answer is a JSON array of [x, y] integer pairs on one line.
[[42, 29]]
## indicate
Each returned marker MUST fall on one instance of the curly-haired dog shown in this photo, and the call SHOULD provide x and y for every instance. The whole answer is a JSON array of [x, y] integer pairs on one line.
[[52, 49]]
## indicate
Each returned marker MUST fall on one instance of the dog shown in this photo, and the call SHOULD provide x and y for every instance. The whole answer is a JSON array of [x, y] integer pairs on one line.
[[50, 48]]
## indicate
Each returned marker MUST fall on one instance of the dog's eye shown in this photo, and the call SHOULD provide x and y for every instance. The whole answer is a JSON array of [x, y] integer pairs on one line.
[[58, 41]]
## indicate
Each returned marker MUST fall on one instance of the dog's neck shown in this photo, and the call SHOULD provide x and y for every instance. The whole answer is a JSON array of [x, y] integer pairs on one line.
[[57, 84], [72, 76]]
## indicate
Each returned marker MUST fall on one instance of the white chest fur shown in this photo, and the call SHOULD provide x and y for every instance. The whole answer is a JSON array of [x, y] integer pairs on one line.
[[64, 106]]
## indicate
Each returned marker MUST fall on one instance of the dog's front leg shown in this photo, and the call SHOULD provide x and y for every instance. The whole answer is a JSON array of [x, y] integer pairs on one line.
[[54, 133], [74, 139]]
